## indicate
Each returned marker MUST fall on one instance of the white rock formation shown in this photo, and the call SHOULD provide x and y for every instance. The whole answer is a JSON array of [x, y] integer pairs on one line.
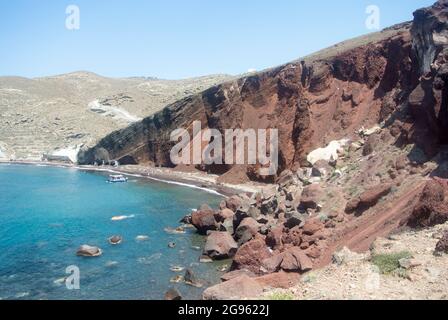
[[329, 153]]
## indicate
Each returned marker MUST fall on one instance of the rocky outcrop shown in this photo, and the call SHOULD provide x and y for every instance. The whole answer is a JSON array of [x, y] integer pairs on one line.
[[368, 199], [442, 245], [204, 220], [89, 251], [432, 206], [234, 289], [220, 245], [428, 100], [312, 102]]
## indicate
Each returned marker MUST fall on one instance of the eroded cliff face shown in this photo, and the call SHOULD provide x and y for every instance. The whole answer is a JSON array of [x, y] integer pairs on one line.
[[428, 101], [311, 102]]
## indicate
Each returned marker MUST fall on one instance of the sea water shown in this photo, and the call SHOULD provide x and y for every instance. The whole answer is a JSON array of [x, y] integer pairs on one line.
[[46, 213]]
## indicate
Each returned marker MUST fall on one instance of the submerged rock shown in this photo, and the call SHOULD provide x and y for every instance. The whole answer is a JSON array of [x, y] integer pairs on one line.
[[172, 245], [89, 251], [190, 279], [173, 294], [115, 240]]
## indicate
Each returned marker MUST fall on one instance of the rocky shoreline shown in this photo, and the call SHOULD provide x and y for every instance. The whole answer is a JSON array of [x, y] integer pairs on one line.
[[197, 180]]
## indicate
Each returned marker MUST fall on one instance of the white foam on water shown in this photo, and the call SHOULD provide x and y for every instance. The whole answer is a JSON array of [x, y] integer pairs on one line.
[[121, 218]]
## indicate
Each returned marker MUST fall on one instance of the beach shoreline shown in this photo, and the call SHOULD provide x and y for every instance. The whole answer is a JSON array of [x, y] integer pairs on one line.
[[196, 180]]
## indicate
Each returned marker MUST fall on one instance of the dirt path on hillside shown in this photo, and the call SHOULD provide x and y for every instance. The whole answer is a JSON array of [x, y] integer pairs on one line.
[[359, 233]]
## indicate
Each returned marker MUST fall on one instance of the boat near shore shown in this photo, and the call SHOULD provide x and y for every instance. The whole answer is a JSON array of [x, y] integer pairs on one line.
[[117, 178]]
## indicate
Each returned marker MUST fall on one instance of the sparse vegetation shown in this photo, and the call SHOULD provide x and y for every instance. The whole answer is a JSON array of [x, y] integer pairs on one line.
[[285, 296], [388, 263]]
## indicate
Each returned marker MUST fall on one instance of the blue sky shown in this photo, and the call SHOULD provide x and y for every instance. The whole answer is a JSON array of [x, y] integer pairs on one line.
[[178, 38]]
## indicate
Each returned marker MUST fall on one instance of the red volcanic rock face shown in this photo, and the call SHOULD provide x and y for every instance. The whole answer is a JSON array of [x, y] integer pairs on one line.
[[310, 102], [432, 207]]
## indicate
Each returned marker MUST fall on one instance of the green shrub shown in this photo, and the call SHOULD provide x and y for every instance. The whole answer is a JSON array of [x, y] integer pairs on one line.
[[281, 296], [387, 263]]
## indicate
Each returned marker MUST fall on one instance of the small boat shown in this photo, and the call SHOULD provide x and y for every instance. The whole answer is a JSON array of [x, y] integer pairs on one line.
[[117, 178]]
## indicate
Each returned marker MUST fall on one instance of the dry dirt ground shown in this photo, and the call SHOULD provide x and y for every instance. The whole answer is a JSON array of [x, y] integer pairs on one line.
[[41, 114], [358, 278]]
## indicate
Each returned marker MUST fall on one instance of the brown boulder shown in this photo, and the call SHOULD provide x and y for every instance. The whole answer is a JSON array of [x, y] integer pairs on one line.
[[220, 245], [293, 236], [250, 256], [203, 221], [287, 178], [312, 226], [321, 169], [311, 196], [371, 145], [237, 273], [294, 259], [279, 280], [247, 230], [242, 287], [442, 245], [432, 206], [173, 295], [224, 214], [233, 203], [88, 251], [272, 264], [368, 199], [274, 238]]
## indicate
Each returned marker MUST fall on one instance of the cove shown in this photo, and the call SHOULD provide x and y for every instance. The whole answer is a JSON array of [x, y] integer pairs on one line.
[[46, 213]]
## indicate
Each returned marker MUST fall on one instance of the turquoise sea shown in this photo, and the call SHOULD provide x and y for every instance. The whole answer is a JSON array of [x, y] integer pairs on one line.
[[46, 213]]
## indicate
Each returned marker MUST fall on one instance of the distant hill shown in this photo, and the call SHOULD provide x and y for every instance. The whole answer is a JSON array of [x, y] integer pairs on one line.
[[42, 114]]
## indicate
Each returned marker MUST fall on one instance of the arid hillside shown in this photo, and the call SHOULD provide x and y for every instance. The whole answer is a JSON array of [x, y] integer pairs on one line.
[[66, 111]]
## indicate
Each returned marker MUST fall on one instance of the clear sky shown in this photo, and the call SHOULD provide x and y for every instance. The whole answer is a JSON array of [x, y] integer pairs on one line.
[[178, 38]]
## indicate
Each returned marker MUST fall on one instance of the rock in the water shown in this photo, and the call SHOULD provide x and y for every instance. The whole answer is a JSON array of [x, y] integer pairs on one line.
[[171, 245], [203, 221], [186, 219], [173, 294], [191, 279], [89, 251], [220, 245], [115, 240], [242, 287]]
